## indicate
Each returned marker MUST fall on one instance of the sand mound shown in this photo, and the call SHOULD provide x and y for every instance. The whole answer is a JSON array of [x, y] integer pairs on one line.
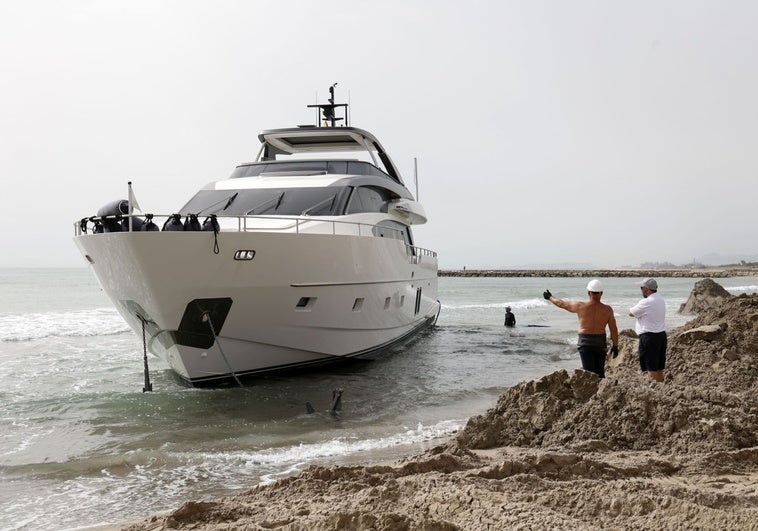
[[708, 402], [567, 451], [706, 295]]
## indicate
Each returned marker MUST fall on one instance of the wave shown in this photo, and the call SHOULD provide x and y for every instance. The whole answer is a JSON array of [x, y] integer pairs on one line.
[[152, 480], [80, 323], [741, 289], [291, 458], [264, 465], [524, 304]]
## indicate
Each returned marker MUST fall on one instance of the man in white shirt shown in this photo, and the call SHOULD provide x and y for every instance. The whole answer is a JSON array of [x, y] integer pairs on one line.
[[650, 313]]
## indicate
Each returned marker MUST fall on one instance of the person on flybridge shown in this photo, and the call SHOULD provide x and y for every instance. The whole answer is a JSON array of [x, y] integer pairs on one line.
[[594, 317]]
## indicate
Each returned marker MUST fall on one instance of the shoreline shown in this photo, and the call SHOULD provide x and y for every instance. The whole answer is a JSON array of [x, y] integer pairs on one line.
[[711, 272], [565, 451]]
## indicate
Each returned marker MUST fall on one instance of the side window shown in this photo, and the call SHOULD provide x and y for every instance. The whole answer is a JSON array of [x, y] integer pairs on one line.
[[392, 229], [373, 199], [368, 199]]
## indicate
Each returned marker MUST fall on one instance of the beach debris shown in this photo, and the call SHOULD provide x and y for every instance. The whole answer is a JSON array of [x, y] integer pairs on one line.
[[334, 408], [336, 402]]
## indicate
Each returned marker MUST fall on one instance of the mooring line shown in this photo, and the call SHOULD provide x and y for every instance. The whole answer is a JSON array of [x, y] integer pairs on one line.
[[207, 317]]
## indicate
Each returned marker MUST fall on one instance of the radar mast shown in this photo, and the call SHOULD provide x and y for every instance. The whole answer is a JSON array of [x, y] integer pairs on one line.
[[328, 115]]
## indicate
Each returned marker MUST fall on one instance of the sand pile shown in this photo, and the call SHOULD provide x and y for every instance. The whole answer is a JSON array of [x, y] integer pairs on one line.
[[706, 295], [708, 402], [566, 451]]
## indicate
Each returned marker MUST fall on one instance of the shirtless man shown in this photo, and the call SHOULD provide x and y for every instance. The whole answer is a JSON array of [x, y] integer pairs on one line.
[[594, 316]]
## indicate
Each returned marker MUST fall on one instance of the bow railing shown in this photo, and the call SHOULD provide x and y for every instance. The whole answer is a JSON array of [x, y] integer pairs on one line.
[[284, 224]]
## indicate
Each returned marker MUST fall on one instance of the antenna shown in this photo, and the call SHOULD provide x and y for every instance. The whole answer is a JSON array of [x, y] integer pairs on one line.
[[330, 118], [415, 174]]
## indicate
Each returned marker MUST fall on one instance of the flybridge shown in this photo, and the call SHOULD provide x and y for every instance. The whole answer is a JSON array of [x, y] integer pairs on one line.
[[279, 144]]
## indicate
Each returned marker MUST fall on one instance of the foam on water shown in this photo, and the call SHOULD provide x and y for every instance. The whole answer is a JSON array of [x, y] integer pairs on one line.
[[82, 323], [516, 305], [289, 459], [742, 289], [117, 482]]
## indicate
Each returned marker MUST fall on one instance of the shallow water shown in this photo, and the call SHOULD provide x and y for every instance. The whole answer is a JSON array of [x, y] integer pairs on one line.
[[82, 445]]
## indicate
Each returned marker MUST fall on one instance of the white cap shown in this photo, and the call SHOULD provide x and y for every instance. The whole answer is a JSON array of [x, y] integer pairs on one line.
[[595, 285]]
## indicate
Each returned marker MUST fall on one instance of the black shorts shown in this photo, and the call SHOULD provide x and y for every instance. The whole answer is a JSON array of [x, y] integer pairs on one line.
[[593, 359], [653, 351]]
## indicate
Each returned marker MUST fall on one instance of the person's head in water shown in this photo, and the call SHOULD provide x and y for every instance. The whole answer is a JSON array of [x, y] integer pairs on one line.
[[595, 289], [507, 308]]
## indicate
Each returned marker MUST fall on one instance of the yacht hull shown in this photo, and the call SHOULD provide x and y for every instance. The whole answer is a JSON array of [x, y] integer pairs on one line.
[[303, 299]]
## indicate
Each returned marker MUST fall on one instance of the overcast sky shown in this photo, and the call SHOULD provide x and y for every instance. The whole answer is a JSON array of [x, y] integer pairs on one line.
[[596, 132]]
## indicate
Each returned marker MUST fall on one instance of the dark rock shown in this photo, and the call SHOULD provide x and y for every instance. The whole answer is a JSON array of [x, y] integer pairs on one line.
[[705, 333]]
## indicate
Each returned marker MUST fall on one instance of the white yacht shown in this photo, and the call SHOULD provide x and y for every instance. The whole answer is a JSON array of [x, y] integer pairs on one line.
[[301, 258]]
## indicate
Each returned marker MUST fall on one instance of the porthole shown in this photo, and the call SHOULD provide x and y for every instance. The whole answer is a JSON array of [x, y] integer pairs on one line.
[[305, 304]]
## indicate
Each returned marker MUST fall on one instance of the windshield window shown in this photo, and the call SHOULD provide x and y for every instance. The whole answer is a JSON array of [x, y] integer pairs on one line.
[[327, 201], [324, 167]]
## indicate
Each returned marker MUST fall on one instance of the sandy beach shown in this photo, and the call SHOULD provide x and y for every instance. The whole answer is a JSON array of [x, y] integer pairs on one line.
[[567, 451]]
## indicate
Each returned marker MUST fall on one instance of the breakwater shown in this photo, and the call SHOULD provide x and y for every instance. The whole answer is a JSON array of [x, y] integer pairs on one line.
[[723, 272]]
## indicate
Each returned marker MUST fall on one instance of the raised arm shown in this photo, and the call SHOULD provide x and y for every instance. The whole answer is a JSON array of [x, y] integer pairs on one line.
[[569, 306]]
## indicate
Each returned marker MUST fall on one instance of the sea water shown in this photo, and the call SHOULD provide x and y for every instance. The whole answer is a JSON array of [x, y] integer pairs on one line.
[[82, 445]]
